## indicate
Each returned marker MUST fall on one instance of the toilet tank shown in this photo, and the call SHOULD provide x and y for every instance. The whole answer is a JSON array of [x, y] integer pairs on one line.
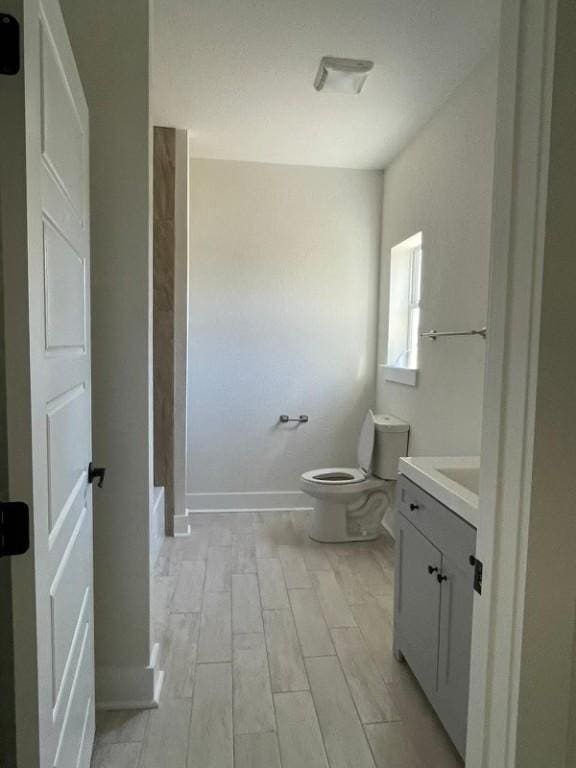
[[390, 444]]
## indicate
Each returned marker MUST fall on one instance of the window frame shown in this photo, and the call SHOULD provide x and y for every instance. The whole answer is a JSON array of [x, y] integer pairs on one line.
[[404, 311]]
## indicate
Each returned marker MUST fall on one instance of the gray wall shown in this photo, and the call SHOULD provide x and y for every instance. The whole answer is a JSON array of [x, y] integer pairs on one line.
[[441, 185], [546, 727], [7, 713], [283, 291], [111, 41]]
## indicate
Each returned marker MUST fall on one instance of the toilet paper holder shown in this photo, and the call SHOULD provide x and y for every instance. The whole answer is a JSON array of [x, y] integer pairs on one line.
[[284, 419]]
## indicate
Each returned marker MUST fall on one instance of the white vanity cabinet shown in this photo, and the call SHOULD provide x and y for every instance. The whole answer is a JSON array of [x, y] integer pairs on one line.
[[433, 602]]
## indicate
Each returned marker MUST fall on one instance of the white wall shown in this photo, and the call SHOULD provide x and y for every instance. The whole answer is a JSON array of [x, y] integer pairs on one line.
[[283, 294], [441, 184], [111, 42]]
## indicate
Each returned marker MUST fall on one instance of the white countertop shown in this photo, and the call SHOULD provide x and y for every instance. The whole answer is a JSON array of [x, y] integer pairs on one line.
[[461, 497]]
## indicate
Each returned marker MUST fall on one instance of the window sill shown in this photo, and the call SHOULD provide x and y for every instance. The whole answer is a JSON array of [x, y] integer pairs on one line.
[[406, 376]]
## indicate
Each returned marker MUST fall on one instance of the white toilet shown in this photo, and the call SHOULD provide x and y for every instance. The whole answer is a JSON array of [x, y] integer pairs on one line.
[[349, 503]]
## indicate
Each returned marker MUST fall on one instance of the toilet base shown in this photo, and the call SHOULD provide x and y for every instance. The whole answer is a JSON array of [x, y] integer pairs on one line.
[[331, 522]]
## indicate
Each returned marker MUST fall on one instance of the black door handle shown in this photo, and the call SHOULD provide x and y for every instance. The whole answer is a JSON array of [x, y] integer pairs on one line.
[[96, 472], [441, 578], [413, 507], [432, 569]]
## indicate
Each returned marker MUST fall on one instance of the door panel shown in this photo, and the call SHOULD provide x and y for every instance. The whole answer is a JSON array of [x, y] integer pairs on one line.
[[68, 593], [66, 377], [64, 292], [454, 648], [77, 731], [46, 260], [67, 451], [63, 136], [418, 603]]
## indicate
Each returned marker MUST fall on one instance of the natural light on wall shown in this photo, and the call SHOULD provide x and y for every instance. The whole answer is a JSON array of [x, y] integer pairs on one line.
[[404, 311]]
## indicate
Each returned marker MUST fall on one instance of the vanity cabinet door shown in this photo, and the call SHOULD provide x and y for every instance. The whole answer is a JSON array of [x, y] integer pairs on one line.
[[418, 603], [456, 604]]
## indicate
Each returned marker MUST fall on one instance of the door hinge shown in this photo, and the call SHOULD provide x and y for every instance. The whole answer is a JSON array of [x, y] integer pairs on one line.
[[9, 45], [14, 528], [96, 473], [478, 573]]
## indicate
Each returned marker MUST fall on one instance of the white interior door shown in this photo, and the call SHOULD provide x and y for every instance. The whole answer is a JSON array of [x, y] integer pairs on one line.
[[44, 227]]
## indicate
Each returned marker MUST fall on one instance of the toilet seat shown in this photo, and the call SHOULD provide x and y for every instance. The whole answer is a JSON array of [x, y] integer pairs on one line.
[[339, 476], [339, 490], [335, 476]]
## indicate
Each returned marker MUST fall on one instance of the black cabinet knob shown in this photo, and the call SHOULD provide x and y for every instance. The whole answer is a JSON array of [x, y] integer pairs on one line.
[[440, 577], [413, 507], [432, 569]]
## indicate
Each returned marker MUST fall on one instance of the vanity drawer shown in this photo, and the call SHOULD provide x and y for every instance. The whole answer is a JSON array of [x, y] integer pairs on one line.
[[442, 527]]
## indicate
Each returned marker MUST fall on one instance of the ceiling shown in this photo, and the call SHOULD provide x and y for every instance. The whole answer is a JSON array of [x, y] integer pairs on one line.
[[240, 73]]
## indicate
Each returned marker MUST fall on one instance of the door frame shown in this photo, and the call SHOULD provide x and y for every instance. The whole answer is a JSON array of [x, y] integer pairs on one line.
[[15, 236], [525, 86]]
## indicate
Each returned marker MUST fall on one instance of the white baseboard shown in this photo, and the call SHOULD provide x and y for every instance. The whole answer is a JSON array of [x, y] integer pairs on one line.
[[389, 523], [388, 530], [130, 687], [157, 524], [255, 501], [182, 525]]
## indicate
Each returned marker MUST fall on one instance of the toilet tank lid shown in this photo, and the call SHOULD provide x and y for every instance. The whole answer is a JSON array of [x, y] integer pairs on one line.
[[384, 422]]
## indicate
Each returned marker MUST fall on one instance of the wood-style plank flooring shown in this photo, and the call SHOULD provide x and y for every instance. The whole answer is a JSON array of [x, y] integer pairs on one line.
[[278, 654]]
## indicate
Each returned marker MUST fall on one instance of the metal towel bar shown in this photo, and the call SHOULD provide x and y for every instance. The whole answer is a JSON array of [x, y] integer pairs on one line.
[[433, 335]]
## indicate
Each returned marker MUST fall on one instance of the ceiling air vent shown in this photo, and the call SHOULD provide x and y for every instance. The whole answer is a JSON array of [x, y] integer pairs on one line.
[[342, 75]]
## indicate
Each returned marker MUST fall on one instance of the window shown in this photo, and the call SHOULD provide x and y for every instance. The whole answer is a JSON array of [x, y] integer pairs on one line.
[[404, 311]]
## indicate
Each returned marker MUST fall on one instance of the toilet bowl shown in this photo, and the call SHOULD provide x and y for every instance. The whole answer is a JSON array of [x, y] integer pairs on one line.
[[350, 502]]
